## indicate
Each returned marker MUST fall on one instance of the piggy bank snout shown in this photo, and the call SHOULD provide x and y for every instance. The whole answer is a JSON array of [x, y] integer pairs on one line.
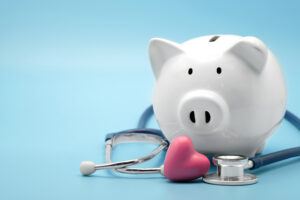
[[203, 112]]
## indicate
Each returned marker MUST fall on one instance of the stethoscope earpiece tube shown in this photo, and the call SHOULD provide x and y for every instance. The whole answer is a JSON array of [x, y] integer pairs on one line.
[[131, 135], [147, 131]]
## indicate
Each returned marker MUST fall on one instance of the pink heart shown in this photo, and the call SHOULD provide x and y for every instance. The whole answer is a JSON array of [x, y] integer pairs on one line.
[[183, 162]]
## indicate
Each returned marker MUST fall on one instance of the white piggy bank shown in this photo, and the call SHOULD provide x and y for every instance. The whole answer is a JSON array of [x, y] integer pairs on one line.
[[227, 93]]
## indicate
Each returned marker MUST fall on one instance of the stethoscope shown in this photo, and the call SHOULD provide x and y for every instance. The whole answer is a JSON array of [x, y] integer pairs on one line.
[[230, 168]]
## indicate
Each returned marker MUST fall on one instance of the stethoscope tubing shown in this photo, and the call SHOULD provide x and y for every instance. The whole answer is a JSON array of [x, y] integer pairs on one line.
[[257, 161], [143, 134]]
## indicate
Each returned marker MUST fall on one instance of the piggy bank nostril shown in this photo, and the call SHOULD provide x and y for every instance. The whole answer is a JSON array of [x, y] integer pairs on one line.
[[207, 117], [192, 117]]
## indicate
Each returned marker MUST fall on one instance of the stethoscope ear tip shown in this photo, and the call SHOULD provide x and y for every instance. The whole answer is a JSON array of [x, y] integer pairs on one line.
[[87, 168]]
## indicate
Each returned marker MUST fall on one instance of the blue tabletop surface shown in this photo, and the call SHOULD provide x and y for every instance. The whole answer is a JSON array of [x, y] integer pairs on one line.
[[72, 71]]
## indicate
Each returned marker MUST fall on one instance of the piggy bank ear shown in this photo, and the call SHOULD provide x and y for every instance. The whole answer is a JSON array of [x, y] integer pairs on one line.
[[160, 50], [251, 50]]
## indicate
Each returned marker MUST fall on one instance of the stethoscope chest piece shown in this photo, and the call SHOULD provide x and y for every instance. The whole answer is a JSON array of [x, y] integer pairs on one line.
[[230, 171]]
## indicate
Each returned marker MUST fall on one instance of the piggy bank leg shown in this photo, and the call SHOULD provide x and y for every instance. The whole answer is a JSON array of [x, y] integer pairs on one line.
[[262, 146], [260, 149]]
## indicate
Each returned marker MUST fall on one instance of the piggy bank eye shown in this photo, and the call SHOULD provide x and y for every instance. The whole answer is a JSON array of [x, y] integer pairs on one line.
[[190, 71], [219, 70]]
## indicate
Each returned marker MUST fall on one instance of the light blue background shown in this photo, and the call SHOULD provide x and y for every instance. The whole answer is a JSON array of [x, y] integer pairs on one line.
[[72, 71]]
